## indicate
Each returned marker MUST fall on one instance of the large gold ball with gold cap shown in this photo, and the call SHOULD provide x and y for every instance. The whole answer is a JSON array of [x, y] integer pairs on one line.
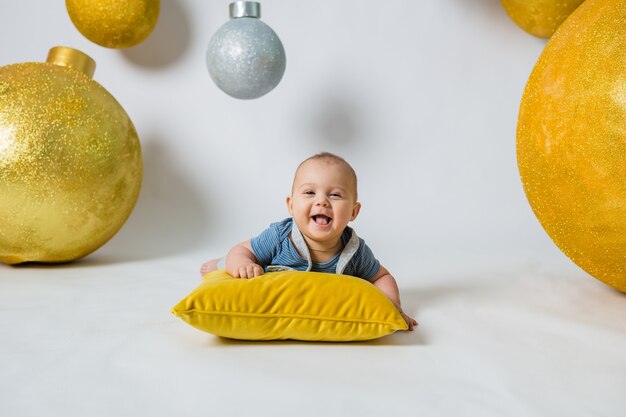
[[70, 163], [571, 139], [540, 17], [114, 23]]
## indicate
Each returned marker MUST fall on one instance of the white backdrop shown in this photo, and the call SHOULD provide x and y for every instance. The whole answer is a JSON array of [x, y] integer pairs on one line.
[[420, 96]]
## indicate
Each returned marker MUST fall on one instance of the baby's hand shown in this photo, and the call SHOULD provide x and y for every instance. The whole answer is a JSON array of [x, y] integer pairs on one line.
[[409, 321], [249, 270]]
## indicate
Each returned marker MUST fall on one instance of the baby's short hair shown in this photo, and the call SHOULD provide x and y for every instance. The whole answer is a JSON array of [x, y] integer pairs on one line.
[[331, 157]]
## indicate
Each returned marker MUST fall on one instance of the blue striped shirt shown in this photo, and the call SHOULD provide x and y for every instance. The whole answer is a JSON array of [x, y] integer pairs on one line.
[[274, 247]]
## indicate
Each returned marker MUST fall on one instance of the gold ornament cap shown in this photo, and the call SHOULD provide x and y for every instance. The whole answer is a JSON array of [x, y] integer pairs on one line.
[[73, 58]]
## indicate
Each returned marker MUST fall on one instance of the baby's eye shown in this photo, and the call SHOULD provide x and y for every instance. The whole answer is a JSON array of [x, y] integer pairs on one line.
[[336, 195], [308, 192]]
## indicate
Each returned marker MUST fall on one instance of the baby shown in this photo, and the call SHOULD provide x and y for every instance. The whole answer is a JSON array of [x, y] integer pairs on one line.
[[316, 238]]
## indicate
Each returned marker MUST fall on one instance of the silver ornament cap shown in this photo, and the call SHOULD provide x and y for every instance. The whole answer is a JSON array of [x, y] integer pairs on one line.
[[245, 57], [245, 9]]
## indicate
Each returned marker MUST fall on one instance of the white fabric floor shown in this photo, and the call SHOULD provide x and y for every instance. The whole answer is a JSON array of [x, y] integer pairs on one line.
[[95, 338]]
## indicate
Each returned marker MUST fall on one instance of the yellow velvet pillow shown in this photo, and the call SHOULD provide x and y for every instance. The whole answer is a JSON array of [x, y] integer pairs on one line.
[[290, 305]]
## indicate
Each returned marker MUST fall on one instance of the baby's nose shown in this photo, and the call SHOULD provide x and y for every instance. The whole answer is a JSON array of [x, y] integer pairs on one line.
[[322, 201]]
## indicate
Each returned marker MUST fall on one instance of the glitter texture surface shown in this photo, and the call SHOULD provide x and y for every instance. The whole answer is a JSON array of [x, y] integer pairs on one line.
[[70, 164], [245, 58], [114, 23], [540, 17], [571, 139]]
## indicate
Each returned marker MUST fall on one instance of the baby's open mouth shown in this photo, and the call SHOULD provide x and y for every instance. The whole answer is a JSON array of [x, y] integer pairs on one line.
[[321, 219]]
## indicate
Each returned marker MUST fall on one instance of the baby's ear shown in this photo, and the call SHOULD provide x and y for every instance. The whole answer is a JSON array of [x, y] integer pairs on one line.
[[289, 201], [355, 210]]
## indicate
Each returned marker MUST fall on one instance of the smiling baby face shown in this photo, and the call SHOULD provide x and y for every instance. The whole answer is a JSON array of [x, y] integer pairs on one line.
[[323, 199]]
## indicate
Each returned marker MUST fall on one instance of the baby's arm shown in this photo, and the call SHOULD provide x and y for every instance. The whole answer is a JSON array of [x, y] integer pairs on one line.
[[386, 283], [241, 262]]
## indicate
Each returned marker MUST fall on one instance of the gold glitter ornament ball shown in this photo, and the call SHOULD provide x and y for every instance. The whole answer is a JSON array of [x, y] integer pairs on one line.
[[540, 17], [114, 23], [70, 160], [571, 139]]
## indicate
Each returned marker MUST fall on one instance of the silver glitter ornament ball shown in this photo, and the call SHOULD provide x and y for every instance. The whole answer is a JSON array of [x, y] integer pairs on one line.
[[245, 57]]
